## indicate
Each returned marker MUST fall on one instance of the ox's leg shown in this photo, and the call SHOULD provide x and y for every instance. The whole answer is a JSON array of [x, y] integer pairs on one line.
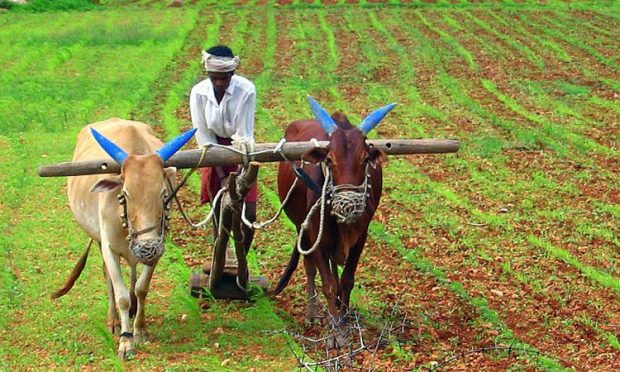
[[134, 305], [313, 301], [330, 290], [126, 349], [328, 284], [334, 269], [348, 275], [141, 333], [112, 321]]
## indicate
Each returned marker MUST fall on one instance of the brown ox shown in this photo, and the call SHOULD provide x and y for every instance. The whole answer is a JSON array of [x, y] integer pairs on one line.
[[352, 196], [125, 214]]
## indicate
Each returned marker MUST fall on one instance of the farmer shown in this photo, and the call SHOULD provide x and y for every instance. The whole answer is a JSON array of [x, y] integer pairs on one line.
[[222, 108]]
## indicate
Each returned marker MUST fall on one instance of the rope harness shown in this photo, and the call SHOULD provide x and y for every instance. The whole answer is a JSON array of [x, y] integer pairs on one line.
[[150, 250], [348, 202]]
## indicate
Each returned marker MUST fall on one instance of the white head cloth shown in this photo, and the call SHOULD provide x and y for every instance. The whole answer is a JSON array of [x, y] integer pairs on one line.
[[219, 64]]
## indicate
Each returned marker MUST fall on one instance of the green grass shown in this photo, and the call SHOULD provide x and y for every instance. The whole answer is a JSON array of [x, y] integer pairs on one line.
[[556, 243]]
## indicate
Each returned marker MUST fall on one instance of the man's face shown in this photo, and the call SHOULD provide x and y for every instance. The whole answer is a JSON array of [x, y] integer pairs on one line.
[[220, 80]]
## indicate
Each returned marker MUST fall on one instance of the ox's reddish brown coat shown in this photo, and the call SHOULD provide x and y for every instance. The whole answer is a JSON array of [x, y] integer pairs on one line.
[[341, 244]]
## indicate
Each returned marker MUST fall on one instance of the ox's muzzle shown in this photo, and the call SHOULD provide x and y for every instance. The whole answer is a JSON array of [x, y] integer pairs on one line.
[[348, 206], [148, 251], [348, 202]]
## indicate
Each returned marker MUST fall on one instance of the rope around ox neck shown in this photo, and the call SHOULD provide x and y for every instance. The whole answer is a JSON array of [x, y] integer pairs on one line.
[[306, 223]]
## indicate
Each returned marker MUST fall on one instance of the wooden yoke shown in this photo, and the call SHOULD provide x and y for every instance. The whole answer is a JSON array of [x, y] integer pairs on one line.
[[265, 152], [230, 221]]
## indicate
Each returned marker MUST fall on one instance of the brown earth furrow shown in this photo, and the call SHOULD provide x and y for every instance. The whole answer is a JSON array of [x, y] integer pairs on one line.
[[572, 269], [551, 167], [492, 70], [530, 314], [540, 22], [514, 88]]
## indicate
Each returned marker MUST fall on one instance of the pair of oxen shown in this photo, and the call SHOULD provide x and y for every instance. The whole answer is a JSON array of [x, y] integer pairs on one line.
[[127, 214]]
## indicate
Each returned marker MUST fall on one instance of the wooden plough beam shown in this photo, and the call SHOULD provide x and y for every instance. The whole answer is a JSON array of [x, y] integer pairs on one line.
[[219, 156], [223, 281], [223, 284]]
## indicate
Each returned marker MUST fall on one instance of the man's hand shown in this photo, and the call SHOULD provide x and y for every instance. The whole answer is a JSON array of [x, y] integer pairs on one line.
[[243, 144]]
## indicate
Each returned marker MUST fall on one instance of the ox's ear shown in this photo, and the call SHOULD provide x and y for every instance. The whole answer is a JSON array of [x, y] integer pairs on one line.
[[107, 184], [315, 155], [377, 156], [171, 174]]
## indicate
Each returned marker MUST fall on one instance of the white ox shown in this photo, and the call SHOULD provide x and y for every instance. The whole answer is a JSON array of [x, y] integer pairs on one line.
[[125, 214]]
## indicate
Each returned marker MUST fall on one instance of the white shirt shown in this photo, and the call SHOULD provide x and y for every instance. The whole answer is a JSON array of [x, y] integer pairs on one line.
[[231, 118]]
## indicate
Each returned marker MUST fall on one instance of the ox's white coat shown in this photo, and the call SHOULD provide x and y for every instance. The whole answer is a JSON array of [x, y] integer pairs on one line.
[[98, 213]]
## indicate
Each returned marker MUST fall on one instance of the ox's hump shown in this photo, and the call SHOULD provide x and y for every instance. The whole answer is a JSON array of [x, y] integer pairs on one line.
[[342, 120]]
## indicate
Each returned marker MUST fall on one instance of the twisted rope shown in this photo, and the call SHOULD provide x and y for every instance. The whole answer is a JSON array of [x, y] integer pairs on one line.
[[306, 223]]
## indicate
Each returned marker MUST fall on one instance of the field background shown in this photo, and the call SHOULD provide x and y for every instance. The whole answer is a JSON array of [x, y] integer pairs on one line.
[[513, 241]]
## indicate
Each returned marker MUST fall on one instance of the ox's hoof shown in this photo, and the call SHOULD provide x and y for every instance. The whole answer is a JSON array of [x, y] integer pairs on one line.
[[312, 316], [312, 312], [141, 336], [337, 341], [127, 354], [126, 348]]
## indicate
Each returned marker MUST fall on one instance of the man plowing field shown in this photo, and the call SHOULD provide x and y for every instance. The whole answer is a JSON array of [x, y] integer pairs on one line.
[[222, 109]]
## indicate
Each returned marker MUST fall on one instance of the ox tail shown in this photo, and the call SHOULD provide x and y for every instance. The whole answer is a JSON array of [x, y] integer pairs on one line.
[[286, 276], [77, 270]]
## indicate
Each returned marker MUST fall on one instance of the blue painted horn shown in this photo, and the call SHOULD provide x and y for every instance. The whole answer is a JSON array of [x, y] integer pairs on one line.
[[118, 154], [374, 118], [171, 147], [328, 124]]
